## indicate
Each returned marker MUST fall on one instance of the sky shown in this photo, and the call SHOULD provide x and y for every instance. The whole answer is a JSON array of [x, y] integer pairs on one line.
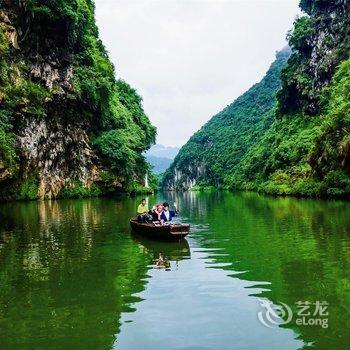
[[189, 59]]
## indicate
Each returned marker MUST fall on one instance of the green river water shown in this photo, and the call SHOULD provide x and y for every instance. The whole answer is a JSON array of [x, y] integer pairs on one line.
[[72, 276]]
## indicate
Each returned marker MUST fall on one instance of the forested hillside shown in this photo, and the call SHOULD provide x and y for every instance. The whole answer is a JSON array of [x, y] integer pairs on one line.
[[67, 127], [299, 143], [216, 149]]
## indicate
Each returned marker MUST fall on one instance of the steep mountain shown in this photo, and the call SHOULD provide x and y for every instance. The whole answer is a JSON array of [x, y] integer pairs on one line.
[[216, 149], [305, 147], [67, 126], [160, 157]]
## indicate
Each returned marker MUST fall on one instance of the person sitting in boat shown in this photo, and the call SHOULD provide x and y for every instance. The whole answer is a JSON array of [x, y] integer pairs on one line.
[[142, 211], [167, 215], [156, 213]]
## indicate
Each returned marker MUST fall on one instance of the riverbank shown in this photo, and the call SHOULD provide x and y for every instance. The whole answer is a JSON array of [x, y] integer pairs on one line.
[[29, 191], [298, 189]]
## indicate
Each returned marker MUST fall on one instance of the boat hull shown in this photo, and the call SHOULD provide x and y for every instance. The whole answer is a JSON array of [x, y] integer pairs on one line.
[[172, 232]]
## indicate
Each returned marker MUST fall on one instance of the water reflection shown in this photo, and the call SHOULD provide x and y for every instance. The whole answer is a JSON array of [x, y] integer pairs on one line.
[[165, 254], [290, 249], [73, 276], [68, 271]]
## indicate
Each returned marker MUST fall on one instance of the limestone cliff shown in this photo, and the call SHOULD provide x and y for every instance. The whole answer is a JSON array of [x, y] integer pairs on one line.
[[67, 127], [321, 41]]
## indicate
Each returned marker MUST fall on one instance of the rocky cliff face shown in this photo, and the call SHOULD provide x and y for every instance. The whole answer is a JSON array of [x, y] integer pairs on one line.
[[186, 179], [62, 112], [59, 153], [321, 41]]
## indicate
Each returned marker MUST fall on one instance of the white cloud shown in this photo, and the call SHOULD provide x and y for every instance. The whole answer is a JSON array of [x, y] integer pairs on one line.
[[189, 59]]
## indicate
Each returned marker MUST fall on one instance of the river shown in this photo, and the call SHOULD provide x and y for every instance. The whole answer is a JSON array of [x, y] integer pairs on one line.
[[72, 276]]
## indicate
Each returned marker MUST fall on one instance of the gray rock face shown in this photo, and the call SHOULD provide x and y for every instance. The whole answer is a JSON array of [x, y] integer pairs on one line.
[[332, 30], [185, 179], [53, 77], [53, 147], [59, 153], [329, 45]]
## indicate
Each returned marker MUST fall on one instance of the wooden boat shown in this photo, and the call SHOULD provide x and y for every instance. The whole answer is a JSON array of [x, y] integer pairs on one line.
[[171, 232]]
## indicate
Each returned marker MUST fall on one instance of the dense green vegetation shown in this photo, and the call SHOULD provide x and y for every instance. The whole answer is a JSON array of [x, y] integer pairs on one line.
[[62, 37], [303, 155], [7, 138], [296, 144], [216, 149]]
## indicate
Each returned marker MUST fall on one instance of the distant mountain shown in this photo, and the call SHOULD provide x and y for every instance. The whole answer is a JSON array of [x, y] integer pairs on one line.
[[159, 164], [160, 157], [163, 151]]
